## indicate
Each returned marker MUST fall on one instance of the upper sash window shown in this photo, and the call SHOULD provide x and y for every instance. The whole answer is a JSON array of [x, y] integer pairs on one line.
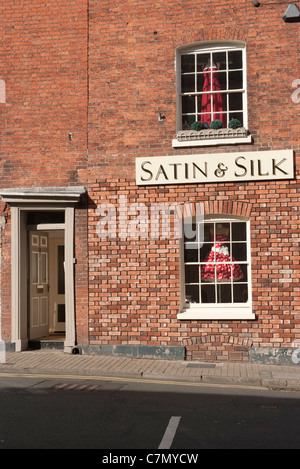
[[212, 92]]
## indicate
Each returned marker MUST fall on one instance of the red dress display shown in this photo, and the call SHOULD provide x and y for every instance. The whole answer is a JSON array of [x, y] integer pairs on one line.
[[219, 265], [211, 83]]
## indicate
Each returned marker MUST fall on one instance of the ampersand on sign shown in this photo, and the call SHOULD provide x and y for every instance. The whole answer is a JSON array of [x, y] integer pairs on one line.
[[221, 170]]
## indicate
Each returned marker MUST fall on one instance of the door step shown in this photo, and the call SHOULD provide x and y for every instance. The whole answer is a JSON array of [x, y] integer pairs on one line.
[[54, 344]]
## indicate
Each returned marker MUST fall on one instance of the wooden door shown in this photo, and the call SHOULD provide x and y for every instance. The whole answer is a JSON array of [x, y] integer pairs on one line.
[[39, 285]]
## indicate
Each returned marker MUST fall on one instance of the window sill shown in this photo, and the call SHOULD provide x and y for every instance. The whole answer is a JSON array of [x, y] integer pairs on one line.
[[212, 312], [211, 137]]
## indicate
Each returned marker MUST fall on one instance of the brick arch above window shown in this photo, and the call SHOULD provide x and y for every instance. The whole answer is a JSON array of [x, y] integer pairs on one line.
[[219, 207], [211, 34]]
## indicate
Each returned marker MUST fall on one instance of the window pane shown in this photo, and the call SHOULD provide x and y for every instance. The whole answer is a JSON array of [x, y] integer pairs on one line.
[[219, 60], [224, 293], [239, 232], [191, 253], [35, 218], [235, 59], [188, 63], [244, 269], [237, 115], [209, 232], [208, 294], [187, 122], [200, 82], [239, 251], [223, 100], [60, 270], [223, 229], [61, 313], [219, 81], [240, 293], [235, 102], [204, 251], [192, 294], [235, 80], [188, 104], [208, 270], [191, 274], [188, 83], [44, 267], [203, 60]]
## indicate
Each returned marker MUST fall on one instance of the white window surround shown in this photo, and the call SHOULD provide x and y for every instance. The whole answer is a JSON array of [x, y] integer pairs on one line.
[[217, 311], [210, 137]]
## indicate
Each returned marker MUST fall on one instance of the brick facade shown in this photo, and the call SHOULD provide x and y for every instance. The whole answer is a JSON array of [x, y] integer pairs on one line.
[[84, 88]]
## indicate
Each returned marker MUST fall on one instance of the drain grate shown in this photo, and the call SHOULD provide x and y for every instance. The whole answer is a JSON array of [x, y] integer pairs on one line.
[[76, 387]]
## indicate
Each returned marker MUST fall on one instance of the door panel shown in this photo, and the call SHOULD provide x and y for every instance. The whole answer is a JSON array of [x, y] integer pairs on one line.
[[57, 281], [39, 288], [34, 312], [44, 310]]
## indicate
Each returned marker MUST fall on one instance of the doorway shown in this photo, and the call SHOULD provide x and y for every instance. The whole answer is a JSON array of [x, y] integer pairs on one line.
[[46, 285], [40, 201]]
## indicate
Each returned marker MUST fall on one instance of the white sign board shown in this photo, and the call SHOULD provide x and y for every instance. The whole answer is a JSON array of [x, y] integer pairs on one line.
[[214, 168]]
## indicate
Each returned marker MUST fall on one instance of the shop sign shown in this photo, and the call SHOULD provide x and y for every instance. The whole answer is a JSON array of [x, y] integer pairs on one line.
[[214, 168]]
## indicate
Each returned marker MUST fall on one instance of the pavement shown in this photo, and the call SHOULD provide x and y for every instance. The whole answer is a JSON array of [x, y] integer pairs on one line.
[[58, 363]]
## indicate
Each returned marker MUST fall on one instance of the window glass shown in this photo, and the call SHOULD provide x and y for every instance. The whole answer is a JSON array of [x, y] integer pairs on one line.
[[235, 60], [60, 270], [188, 63], [212, 87], [217, 268]]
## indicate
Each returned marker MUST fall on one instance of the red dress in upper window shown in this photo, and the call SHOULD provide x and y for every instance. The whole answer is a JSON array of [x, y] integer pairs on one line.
[[219, 265], [211, 83]]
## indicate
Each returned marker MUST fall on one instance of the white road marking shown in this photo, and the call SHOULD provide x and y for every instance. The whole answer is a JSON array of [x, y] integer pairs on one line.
[[169, 435]]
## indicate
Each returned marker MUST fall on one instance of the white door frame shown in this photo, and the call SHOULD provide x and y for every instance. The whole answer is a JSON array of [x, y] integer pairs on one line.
[[46, 199]]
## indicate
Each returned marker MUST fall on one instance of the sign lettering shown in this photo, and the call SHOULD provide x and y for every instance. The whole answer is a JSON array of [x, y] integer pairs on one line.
[[227, 167]]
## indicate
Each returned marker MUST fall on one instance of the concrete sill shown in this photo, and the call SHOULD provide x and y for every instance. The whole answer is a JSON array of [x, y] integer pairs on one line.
[[187, 138]]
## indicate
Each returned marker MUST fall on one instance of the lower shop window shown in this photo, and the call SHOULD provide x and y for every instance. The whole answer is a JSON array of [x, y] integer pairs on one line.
[[216, 275]]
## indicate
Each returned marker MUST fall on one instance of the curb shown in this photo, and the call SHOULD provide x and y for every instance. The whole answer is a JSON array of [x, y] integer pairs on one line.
[[207, 380]]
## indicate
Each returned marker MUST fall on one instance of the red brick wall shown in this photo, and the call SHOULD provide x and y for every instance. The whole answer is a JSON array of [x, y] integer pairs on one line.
[[132, 75], [134, 291], [65, 96], [134, 284], [43, 52], [44, 65]]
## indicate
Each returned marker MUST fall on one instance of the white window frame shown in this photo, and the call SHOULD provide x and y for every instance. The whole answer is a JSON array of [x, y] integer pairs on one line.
[[217, 311], [185, 138]]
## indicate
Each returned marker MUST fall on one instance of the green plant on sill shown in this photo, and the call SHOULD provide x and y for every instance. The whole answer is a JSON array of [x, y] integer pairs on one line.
[[216, 124], [197, 126], [234, 124]]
